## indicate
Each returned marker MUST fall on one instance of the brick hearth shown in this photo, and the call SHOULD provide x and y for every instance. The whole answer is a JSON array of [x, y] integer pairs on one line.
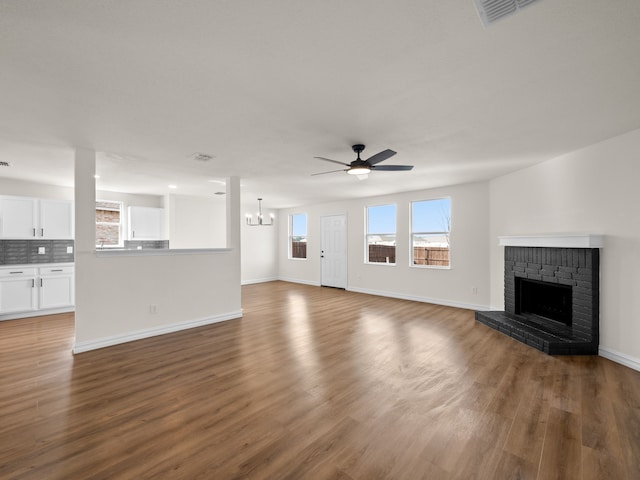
[[574, 267]]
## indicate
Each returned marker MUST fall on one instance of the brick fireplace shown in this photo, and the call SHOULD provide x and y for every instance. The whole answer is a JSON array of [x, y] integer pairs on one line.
[[551, 293]]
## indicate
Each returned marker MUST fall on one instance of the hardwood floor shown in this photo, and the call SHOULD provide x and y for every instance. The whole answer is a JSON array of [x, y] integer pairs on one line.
[[313, 383]]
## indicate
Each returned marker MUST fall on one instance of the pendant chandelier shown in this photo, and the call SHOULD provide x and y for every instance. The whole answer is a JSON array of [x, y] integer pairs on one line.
[[260, 220]]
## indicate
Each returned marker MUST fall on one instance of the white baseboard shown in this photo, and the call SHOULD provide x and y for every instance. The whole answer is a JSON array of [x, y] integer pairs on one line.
[[37, 313], [298, 280], [258, 280], [80, 347], [435, 301], [621, 358]]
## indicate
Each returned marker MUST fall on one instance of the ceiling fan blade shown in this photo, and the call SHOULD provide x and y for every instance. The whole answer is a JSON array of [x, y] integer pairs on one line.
[[332, 171], [391, 168], [332, 161], [380, 157]]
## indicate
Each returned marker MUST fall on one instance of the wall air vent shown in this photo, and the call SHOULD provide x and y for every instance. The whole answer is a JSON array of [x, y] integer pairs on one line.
[[5, 164], [491, 11]]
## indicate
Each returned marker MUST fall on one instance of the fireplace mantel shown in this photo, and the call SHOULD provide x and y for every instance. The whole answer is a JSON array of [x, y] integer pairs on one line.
[[561, 240]]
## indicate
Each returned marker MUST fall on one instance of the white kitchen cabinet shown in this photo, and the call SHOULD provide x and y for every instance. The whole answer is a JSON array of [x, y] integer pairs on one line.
[[18, 217], [26, 217], [56, 287], [146, 223], [56, 219], [18, 290], [27, 291]]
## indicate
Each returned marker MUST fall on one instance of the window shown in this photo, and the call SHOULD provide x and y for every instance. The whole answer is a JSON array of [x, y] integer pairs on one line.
[[108, 224], [298, 236], [381, 234], [430, 229]]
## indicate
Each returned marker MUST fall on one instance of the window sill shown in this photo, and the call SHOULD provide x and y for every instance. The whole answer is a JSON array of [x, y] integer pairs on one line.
[[431, 267]]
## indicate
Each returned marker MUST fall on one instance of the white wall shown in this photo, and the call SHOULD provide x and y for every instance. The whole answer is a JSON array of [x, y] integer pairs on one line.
[[469, 247], [114, 293], [593, 190], [197, 222], [131, 199], [10, 186], [259, 249]]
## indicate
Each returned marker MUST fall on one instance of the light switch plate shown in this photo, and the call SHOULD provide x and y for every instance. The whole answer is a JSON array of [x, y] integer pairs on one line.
[[69, 249], [41, 250]]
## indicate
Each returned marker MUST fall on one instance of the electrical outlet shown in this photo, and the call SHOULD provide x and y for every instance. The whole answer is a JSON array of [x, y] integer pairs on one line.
[[474, 290], [153, 309], [42, 250], [69, 249]]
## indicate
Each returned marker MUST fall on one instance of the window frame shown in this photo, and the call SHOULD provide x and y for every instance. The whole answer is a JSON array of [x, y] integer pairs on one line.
[[120, 224], [367, 234], [412, 234], [291, 236]]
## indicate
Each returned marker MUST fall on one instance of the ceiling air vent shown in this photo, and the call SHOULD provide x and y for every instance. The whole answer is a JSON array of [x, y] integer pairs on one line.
[[202, 157], [491, 11], [5, 164]]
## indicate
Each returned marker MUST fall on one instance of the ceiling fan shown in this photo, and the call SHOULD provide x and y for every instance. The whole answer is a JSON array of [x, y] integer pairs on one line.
[[362, 167]]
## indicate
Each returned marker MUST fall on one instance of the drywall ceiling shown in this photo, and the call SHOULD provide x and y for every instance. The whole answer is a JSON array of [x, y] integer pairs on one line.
[[264, 87]]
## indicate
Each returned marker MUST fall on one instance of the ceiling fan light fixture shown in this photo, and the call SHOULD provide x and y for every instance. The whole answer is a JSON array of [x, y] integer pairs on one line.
[[359, 170]]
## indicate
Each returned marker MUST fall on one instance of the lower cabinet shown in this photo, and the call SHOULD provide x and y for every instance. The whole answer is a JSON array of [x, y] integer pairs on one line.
[[31, 290], [18, 290], [56, 287]]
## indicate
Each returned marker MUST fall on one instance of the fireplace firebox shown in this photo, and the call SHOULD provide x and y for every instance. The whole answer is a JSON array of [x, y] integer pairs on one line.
[[551, 299]]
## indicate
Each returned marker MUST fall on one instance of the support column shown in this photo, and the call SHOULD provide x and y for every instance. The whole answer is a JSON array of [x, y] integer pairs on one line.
[[85, 201], [233, 213]]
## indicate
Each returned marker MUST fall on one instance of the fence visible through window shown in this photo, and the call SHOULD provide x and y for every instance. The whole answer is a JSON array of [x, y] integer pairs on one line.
[[432, 256], [298, 249]]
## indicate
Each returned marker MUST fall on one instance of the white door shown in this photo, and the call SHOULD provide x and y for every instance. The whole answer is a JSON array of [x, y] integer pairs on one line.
[[334, 251]]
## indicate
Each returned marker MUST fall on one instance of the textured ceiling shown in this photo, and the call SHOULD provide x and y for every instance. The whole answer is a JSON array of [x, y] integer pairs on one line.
[[266, 86]]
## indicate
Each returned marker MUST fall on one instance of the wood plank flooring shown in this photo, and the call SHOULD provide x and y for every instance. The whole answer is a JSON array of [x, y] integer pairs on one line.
[[312, 383]]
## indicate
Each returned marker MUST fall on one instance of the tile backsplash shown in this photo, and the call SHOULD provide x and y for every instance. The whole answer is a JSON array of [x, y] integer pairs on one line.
[[17, 252], [145, 244]]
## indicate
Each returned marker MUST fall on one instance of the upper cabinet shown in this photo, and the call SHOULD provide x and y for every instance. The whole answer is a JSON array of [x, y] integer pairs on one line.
[[18, 217], [26, 217], [146, 223], [56, 219]]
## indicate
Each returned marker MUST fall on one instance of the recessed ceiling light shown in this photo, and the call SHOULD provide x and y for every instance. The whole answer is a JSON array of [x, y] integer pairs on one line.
[[172, 186]]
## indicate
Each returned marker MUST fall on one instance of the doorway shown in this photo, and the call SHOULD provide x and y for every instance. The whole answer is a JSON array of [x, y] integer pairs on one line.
[[333, 255]]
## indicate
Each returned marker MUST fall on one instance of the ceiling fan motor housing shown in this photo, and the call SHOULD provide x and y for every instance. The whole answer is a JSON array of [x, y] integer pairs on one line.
[[358, 148]]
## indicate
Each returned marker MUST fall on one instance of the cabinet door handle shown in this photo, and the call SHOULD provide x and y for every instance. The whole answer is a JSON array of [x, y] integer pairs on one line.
[[15, 272], [33, 282], [133, 234], [57, 270], [42, 232], [34, 232], [41, 282]]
